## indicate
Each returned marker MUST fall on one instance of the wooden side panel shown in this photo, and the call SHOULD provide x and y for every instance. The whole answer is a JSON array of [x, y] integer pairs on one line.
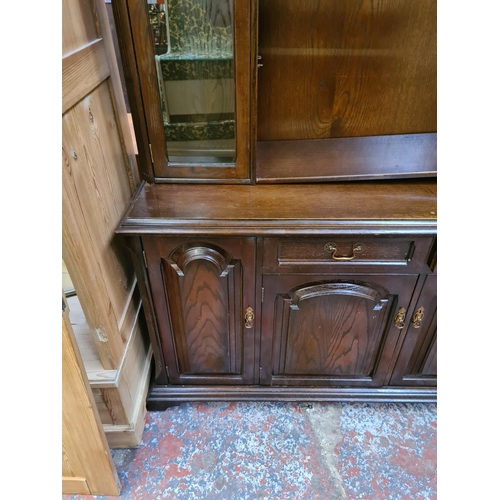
[[86, 458], [78, 24], [346, 68], [95, 195], [98, 176]]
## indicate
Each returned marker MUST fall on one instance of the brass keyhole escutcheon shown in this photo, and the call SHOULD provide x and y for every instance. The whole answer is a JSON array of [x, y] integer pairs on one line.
[[399, 319], [249, 317], [418, 317], [332, 247]]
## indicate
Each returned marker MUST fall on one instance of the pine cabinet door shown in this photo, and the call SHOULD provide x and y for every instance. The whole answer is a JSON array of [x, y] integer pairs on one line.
[[203, 295], [337, 330]]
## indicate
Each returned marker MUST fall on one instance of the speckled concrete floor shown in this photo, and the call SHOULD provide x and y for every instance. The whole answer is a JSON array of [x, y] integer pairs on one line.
[[283, 451]]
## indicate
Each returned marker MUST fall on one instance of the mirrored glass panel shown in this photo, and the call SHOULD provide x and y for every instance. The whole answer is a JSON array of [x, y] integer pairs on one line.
[[195, 66]]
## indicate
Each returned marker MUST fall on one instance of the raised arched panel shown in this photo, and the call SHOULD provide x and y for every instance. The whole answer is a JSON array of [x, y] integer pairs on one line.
[[331, 332], [201, 290], [201, 281], [332, 329]]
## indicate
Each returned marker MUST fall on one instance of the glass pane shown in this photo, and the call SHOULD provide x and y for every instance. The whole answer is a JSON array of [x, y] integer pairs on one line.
[[195, 66]]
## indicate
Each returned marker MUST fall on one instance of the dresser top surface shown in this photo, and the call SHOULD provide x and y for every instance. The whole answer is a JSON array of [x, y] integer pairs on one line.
[[389, 206]]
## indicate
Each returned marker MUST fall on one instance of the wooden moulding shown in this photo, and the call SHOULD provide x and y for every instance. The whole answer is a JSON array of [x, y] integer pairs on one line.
[[386, 207], [347, 159], [130, 435], [121, 400], [161, 397]]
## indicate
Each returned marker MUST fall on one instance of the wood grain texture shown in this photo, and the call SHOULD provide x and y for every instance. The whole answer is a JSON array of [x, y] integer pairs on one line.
[[130, 436], [354, 158], [131, 76], [330, 330], [75, 485], [82, 71], [202, 284], [346, 69], [332, 333], [78, 25], [117, 94], [200, 289], [95, 193], [356, 208], [85, 452], [206, 300]]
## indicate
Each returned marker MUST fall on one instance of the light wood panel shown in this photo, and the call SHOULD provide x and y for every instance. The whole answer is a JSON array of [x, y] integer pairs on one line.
[[125, 131], [87, 466], [78, 24], [95, 194], [99, 173], [82, 71]]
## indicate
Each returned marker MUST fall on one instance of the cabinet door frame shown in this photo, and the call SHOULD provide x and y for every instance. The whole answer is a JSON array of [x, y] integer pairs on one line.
[[419, 347], [236, 259], [399, 290], [136, 47]]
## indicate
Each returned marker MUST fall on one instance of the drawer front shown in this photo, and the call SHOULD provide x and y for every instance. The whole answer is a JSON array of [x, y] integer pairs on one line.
[[397, 253]]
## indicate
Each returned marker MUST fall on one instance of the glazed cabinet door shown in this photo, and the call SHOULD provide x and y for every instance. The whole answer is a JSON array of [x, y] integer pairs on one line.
[[203, 296], [188, 67], [417, 362], [337, 330]]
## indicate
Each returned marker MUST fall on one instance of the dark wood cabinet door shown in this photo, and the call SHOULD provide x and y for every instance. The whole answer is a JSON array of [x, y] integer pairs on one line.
[[417, 361], [321, 330], [202, 290], [188, 68]]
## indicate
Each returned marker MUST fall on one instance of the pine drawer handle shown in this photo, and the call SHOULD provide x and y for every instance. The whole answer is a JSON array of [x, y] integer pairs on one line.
[[332, 247]]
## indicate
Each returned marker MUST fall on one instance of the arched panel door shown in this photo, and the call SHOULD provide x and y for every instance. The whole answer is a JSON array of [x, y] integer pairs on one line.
[[201, 292], [337, 332]]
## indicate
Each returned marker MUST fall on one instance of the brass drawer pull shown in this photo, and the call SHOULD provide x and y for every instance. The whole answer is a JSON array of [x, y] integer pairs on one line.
[[399, 319], [356, 248], [249, 317], [418, 317]]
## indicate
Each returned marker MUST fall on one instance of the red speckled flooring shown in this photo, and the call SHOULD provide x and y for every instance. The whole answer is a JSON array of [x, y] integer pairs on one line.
[[283, 451]]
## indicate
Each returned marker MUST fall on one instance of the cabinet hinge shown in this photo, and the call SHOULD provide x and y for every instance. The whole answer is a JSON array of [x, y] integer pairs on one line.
[[151, 153], [145, 259], [260, 373], [262, 295], [168, 374]]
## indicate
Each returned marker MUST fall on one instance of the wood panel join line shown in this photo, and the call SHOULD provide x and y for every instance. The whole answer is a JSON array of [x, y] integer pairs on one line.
[[82, 71]]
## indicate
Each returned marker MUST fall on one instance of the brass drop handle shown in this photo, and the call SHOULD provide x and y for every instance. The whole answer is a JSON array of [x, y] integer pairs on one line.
[[249, 317], [399, 319], [418, 317], [332, 247]]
